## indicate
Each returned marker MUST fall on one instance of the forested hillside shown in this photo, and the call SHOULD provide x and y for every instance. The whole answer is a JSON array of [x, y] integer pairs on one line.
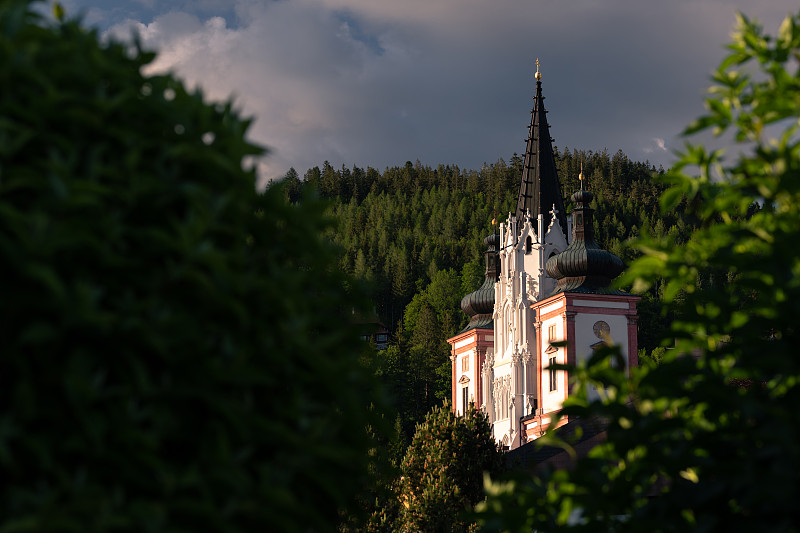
[[398, 228], [415, 234]]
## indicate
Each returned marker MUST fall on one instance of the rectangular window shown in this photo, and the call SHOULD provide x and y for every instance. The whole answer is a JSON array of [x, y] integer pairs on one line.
[[551, 332], [553, 382], [464, 364], [465, 399]]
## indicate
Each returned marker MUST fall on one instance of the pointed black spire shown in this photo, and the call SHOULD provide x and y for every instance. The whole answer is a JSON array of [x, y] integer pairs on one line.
[[540, 189]]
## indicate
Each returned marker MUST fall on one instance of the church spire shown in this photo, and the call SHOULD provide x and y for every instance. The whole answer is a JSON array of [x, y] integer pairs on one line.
[[540, 190]]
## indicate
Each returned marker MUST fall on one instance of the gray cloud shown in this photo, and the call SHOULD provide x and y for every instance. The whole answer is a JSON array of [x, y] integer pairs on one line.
[[372, 82]]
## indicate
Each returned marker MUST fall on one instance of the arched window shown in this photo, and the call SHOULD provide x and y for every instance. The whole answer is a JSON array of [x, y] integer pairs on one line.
[[528, 245]]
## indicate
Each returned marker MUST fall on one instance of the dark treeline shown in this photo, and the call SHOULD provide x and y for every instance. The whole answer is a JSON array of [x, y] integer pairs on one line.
[[399, 227]]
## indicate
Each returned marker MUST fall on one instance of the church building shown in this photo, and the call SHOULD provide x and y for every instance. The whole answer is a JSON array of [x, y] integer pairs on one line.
[[547, 282]]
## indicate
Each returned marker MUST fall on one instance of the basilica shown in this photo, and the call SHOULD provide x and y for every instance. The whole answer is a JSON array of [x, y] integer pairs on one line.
[[546, 300]]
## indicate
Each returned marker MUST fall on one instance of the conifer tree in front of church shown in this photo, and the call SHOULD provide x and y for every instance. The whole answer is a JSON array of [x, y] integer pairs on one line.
[[442, 472]]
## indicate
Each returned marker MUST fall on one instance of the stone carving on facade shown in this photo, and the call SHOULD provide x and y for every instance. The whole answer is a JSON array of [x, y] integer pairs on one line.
[[488, 375], [527, 358], [501, 392], [554, 223], [495, 398], [531, 288], [530, 405]]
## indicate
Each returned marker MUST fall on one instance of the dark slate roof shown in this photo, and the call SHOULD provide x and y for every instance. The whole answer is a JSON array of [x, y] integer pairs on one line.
[[532, 455], [540, 189]]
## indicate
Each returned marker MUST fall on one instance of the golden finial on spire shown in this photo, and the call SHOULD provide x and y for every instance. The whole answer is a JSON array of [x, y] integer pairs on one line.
[[538, 74], [580, 176]]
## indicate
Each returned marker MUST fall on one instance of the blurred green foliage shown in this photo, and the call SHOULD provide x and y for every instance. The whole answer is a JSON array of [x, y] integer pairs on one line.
[[709, 440], [177, 353]]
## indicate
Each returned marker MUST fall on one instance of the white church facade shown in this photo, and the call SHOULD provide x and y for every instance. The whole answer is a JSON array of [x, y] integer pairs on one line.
[[547, 282]]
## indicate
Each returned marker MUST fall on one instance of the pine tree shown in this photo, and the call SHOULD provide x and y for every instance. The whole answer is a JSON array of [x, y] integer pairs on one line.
[[443, 469]]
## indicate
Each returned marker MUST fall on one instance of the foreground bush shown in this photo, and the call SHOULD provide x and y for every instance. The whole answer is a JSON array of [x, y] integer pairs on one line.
[[175, 353]]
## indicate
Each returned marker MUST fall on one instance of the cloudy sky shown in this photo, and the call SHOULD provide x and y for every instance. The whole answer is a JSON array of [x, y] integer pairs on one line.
[[379, 82]]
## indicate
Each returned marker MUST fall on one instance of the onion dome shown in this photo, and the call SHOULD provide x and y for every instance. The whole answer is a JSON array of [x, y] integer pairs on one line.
[[479, 305], [584, 266]]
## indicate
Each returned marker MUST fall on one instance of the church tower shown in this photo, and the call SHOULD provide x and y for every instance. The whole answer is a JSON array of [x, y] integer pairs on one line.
[[583, 311], [541, 287], [536, 231], [473, 345]]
